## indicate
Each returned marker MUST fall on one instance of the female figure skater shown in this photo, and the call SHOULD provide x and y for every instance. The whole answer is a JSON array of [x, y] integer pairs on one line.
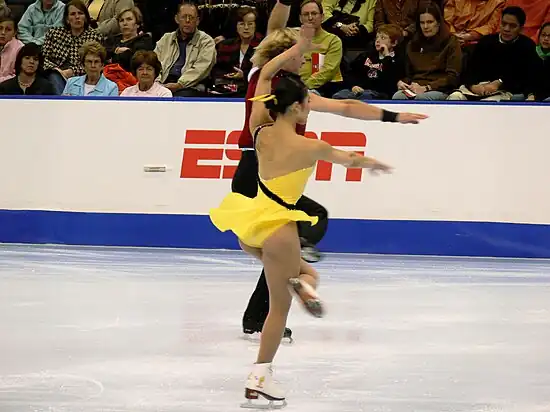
[[266, 224], [245, 179]]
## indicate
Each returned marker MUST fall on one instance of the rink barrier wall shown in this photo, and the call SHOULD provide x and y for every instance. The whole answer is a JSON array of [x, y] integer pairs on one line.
[[469, 181]]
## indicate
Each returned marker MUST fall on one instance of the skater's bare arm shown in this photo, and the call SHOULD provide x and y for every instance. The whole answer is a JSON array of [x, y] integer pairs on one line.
[[279, 16], [260, 115], [321, 150], [359, 110], [271, 68]]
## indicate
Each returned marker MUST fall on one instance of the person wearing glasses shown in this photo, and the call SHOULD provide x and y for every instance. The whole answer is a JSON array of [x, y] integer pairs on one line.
[[321, 69], [187, 55]]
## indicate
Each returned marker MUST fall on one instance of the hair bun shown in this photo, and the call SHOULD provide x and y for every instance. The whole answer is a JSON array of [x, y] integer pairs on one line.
[[273, 105], [289, 90]]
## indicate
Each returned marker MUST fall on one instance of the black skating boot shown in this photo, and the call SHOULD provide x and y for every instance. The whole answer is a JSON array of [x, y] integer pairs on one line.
[[310, 253]]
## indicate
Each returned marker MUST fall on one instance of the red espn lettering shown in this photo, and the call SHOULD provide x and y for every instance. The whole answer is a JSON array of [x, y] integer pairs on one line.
[[339, 139], [191, 167]]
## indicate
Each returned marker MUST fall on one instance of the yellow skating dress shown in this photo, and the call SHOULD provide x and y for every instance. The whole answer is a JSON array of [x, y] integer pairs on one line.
[[253, 220]]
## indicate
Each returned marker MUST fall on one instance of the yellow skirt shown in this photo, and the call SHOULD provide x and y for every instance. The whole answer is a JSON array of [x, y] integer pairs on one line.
[[254, 220]]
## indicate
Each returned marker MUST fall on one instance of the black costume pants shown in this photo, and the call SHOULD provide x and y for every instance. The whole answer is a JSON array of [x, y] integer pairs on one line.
[[245, 183]]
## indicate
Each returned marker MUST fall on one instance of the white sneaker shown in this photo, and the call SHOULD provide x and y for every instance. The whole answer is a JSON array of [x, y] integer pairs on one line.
[[260, 383]]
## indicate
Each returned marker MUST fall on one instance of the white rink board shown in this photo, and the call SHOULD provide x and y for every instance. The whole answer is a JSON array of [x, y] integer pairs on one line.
[[465, 163]]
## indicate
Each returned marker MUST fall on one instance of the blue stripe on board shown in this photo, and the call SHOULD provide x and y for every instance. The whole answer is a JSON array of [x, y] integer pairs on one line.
[[344, 235]]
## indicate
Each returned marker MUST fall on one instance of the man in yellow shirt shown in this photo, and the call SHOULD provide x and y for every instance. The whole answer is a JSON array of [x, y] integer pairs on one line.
[[321, 69]]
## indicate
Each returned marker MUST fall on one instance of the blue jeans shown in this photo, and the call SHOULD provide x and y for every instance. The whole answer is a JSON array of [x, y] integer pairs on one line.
[[365, 96], [57, 81], [432, 95]]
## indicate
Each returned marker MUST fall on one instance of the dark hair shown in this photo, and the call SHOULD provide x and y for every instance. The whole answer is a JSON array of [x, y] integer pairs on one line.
[[317, 2], [189, 4], [243, 11], [146, 57], [9, 17], [429, 8], [517, 12], [80, 6], [419, 42], [356, 6], [29, 50], [289, 90], [545, 25]]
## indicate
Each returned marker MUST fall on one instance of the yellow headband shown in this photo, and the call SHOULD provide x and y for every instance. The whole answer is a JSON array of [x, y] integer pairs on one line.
[[264, 98]]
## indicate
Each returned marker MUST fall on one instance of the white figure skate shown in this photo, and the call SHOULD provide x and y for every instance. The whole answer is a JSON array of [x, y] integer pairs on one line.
[[260, 383], [308, 296]]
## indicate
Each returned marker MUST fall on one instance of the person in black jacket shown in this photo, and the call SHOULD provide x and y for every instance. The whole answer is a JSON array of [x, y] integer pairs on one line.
[[502, 64], [374, 74], [28, 78], [121, 47]]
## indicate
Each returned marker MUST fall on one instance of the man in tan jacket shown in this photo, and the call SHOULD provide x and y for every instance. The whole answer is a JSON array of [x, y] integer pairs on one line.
[[187, 55]]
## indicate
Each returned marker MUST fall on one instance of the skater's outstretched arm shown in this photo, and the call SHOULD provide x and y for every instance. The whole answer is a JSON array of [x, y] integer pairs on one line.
[[279, 16], [359, 110], [321, 150]]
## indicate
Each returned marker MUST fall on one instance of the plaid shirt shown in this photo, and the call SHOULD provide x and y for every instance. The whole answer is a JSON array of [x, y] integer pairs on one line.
[[61, 48], [228, 56]]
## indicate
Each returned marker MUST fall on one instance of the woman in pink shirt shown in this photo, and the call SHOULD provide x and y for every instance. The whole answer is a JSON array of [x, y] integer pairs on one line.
[[9, 47], [146, 67]]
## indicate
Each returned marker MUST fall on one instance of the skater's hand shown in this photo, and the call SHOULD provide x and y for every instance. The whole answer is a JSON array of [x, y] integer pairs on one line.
[[412, 118], [376, 166], [307, 31]]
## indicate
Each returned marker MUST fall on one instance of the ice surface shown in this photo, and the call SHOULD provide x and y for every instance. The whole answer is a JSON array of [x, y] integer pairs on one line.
[[105, 329]]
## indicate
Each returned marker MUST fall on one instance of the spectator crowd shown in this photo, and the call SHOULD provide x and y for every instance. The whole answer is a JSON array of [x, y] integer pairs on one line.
[[484, 50]]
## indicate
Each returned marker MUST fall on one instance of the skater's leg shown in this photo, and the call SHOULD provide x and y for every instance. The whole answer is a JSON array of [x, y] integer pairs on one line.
[[282, 262], [244, 182], [309, 274], [312, 233], [281, 258], [309, 234], [258, 307]]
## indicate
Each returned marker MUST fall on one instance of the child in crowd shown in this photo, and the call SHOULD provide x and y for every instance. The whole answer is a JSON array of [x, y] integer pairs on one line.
[[374, 74]]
